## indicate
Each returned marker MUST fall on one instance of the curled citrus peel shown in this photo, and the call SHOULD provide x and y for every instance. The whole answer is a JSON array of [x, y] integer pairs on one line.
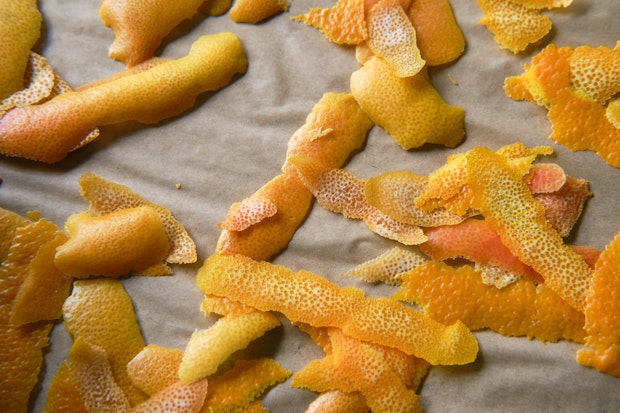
[[47, 132], [140, 27], [255, 11], [248, 212], [602, 344], [177, 397], [63, 395], [491, 184], [409, 109], [335, 401], [208, 349], [388, 266], [20, 28], [100, 312], [338, 190], [105, 197], [333, 130], [564, 206], [215, 7], [309, 298], [447, 294], [344, 23], [516, 24], [571, 85], [154, 368], [121, 242]]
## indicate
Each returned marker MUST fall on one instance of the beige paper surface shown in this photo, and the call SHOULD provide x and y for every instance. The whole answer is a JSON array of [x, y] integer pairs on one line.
[[234, 141]]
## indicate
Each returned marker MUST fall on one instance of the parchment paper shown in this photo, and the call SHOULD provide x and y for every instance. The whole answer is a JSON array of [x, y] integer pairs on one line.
[[234, 141]]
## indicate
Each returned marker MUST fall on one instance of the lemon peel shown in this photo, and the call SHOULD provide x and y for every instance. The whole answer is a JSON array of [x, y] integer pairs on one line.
[[100, 312], [388, 266], [20, 28], [207, 349], [447, 294], [309, 298], [140, 27], [409, 109], [47, 132], [119, 243], [344, 23], [255, 11], [602, 344]]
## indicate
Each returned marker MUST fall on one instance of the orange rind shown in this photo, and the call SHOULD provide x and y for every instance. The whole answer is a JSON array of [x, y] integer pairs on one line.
[[239, 388], [223, 306], [215, 7], [20, 29], [447, 294], [309, 298], [492, 184], [392, 37], [339, 191], [248, 212], [207, 349], [255, 11], [602, 325], [49, 131], [177, 397], [105, 197], [63, 395], [91, 373], [344, 23], [409, 109], [387, 267], [101, 312], [571, 85], [154, 368], [130, 240], [334, 401], [139, 27], [438, 34]]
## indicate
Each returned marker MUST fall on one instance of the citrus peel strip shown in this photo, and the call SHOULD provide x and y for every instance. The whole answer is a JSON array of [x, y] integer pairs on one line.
[[255, 11], [388, 266], [309, 298], [344, 23], [154, 368]]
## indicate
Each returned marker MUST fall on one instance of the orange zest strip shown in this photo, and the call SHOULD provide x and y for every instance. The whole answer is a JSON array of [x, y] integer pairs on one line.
[[92, 375], [208, 349], [603, 314], [248, 212], [524, 229], [140, 27], [47, 132], [545, 178], [521, 309], [309, 298], [154, 368], [438, 34], [121, 242], [177, 397], [409, 109], [63, 395], [212, 304], [215, 7], [101, 312], [388, 266], [335, 401], [255, 11], [241, 386], [20, 28], [344, 23], [105, 197], [338, 190]]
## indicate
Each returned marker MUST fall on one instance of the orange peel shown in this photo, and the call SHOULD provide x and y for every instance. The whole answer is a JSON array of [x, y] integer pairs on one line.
[[602, 344], [121, 242], [334, 401], [215, 7], [255, 11], [388, 266], [409, 109], [438, 34], [447, 294], [105, 197], [154, 368], [239, 388], [392, 37], [47, 132], [101, 312], [63, 395], [491, 184], [177, 397], [339, 191], [569, 85], [20, 28], [223, 306], [344, 23], [207, 349], [140, 27], [92, 375], [309, 298], [248, 212]]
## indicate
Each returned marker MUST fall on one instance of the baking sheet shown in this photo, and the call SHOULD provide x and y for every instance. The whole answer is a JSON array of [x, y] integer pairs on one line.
[[234, 141]]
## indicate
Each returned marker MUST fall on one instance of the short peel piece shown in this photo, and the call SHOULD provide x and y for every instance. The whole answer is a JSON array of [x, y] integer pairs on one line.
[[154, 368], [388, 266], [344, 23], [255, 11], [309, 298]]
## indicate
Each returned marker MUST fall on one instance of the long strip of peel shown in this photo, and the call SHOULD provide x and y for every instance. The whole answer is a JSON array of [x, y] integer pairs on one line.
[[306, 297], [499, 193], [47, 132]]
